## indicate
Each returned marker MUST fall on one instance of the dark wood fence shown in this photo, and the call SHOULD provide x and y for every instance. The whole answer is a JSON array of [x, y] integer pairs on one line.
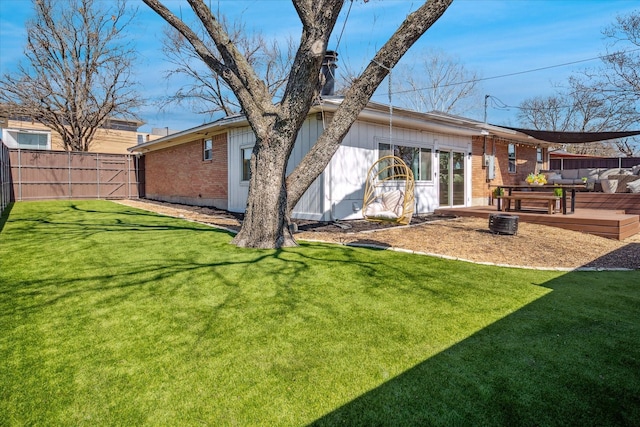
[[5, 178], [594, 162], [43, 175]]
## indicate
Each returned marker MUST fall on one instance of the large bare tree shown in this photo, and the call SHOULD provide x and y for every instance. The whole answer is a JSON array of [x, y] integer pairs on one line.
[[205, 92], [272, 194], [77, 71], [439, 82], [577, 108]]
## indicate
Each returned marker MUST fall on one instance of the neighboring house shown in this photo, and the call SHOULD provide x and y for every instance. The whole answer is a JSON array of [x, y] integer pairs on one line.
[[115, 137], [454, 160]]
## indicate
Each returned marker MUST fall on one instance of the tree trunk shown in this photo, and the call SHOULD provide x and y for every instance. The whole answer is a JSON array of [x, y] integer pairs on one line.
[[265, 224]]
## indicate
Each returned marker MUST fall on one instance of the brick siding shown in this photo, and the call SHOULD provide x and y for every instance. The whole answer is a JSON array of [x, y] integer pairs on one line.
[[179, 174], [526, 158]]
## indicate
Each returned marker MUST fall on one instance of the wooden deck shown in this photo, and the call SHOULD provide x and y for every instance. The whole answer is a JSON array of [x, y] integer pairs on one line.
[[628, 202], [610, 223]]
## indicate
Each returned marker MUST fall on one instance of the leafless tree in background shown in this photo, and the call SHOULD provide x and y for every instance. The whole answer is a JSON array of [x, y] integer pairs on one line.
[[439, 83], [77, 71], [602, 99], [205, 92], [276, 123]]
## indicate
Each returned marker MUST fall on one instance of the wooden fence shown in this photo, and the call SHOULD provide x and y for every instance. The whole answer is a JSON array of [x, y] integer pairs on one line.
[[45, 175], [594, 162]]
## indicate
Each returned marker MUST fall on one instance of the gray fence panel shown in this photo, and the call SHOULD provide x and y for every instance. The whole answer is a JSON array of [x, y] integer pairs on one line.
[[46, 175], [594, 162]]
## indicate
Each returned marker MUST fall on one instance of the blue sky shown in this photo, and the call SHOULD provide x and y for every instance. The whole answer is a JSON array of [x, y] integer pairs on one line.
[[492, 37]]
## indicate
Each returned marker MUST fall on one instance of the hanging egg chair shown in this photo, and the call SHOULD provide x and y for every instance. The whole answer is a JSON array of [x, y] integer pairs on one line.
[[389, 192]]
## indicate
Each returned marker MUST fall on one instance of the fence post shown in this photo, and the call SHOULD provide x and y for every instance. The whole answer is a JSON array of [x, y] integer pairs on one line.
[[69, 170], [98, 172], [19, 174]]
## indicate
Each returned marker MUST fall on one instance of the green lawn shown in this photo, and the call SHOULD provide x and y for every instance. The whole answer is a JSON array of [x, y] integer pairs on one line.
[[115, 316]]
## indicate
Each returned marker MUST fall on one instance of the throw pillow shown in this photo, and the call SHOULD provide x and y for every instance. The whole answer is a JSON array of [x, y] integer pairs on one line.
[[636, 170], [609, 185], [634, 186], [604, 174], [393, 201]]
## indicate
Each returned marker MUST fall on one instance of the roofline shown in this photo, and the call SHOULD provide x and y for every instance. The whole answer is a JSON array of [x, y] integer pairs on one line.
[[187, 135], [373, 112]]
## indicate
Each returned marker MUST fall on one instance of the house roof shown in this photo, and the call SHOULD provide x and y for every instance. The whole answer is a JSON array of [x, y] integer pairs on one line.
[[434, 121]]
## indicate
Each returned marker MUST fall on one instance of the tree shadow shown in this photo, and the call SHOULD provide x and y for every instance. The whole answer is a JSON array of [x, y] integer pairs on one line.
[[571, 357], [627, 256]]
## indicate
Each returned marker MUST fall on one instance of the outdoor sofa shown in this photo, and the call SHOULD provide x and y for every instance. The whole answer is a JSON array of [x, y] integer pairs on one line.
[[615, 180]]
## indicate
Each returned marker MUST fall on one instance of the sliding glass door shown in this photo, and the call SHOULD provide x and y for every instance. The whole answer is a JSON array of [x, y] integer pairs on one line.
[[452, 178]]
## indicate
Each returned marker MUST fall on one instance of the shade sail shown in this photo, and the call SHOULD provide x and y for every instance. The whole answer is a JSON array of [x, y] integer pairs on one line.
[[573, 137]]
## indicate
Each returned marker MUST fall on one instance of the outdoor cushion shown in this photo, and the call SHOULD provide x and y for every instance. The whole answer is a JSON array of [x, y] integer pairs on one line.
[[378, 210], [589, 173], [609, 185], [373, 209], [636, 170], [385, 215], [634, 186], [623, 180], [552, 176], [605, 173], [393, 201], [570, 174], [564, 181]]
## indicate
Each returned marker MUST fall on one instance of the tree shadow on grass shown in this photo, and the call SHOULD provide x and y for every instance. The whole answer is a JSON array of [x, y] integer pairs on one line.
[[571, 357], [627, 256]]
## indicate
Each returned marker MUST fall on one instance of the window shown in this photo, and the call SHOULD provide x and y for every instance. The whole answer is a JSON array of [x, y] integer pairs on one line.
[[28, 140], [207, 153], [418, 159], [539, 155], [512, 158], [246, 163]]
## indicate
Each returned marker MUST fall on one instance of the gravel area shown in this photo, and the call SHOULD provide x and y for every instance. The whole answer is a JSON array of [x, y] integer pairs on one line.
[[534, 246]]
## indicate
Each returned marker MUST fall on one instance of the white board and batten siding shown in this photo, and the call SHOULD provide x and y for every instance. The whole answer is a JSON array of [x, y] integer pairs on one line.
[[337, 193], [311, 204], [348, 169]]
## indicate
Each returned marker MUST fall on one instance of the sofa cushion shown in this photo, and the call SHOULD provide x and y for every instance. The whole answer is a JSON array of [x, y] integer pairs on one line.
[[565, 181], [606, 172], [609, 185], [634, 186], [590, 173], [378, 210], [623, 180], [570, 174]]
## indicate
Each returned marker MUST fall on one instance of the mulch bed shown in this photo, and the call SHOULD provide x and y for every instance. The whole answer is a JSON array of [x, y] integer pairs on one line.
[[357, 226]]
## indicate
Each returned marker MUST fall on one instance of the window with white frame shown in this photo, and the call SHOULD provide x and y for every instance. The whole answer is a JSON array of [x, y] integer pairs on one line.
[[418, 159], [245, 155], [539, 158], [207, 149], [511, 150], [32, 140]]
